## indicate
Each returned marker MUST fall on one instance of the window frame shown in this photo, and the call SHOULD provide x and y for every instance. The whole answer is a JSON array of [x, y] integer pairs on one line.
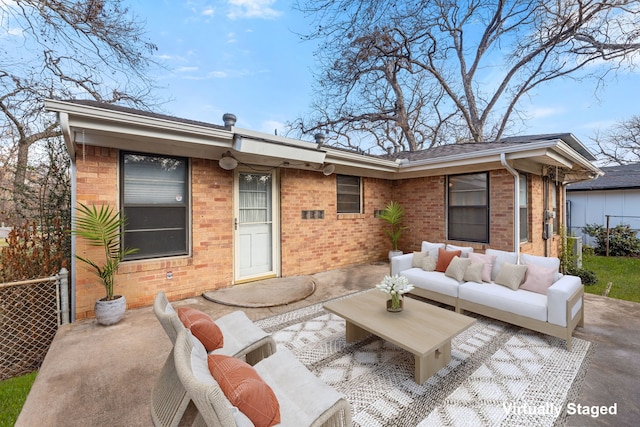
[[184, 204], [524, 218], [342, 194], [460, 236]]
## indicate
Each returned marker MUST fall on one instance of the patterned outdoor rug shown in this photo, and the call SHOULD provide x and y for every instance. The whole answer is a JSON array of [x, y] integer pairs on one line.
[[499, 374]]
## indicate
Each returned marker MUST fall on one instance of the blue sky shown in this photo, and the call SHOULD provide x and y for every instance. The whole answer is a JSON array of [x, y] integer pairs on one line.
[[244, 57]]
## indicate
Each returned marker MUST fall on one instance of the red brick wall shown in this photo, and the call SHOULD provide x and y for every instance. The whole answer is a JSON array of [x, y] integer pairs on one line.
[[210, 265], [338, 240], [307, 245]]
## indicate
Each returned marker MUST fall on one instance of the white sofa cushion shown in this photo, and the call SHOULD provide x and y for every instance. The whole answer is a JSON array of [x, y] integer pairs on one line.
[[287, 377], [432, 281], [521, 302], [464, 250], [501, 258], [432, 248]]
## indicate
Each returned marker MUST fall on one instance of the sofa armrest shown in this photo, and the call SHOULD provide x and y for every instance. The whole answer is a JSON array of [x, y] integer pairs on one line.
[[568, 288], [400, 263]]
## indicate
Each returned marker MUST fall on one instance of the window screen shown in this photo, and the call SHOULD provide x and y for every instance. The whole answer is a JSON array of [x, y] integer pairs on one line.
[[468, 207], [155, 202], [349, 194]]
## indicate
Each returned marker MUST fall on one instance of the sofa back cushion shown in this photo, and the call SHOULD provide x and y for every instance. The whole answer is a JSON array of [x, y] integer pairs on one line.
[[444, 258], [501, 258], [464, 250], [432, 248]]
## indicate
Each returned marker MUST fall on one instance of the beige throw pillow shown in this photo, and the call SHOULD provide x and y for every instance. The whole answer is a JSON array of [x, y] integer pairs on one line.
[[457, 267], [474, 272], [418, 257], [511, 275], [487, 260]]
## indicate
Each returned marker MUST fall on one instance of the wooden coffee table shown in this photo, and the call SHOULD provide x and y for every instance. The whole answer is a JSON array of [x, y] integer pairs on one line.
[[421, 328]]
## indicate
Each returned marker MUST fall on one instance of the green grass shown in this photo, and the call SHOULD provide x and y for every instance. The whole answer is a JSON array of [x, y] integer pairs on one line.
[[13, 393], [623, 274]]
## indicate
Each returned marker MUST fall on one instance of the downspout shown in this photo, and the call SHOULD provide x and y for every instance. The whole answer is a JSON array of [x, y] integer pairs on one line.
[[516, 203], [63, 119]]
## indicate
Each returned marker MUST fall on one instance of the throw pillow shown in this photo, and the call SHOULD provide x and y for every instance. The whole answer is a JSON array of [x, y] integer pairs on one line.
[[511, 275], [501, 258], [473, 272], [487, 260], [538, 278], [444, 258], [202, 327], [245, 389], [418, 257], [428, 263], [457, 267]]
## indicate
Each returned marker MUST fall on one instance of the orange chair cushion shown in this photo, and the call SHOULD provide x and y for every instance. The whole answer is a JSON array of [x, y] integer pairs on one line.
[[202, 327], [245, 389]]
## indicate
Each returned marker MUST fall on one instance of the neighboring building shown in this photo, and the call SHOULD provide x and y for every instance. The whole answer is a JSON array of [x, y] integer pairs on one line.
[[616, 194], [210, 206]]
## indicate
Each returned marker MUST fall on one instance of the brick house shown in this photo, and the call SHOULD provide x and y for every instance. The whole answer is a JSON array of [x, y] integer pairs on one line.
[[210, 205]]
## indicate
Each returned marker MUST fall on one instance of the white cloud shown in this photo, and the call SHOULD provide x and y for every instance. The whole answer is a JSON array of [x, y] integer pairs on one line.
[[231, 38], [186, 69], [542, 112], [252, 9], [208, 11]]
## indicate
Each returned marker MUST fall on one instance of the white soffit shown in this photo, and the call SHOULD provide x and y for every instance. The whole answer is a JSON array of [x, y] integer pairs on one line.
[[275, 149]]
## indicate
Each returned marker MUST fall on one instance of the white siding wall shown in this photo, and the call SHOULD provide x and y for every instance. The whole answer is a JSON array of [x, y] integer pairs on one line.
[[592, 207]]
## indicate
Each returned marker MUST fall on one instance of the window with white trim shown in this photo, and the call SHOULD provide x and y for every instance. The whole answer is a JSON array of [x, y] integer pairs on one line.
[[524, 208], [468, 207], [349, 191], [154, 193]]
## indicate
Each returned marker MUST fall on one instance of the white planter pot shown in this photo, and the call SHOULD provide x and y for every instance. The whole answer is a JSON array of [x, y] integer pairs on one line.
[[394, 253], [110, 312]]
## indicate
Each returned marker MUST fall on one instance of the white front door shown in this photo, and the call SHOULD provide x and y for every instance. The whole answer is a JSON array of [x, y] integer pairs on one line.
[[255, 225]]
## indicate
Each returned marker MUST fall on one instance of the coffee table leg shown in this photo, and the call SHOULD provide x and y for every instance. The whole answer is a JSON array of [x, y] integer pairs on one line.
[[428, 365], [354, 332]]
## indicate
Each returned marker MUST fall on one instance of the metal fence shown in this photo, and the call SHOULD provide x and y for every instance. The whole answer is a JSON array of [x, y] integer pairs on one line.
[[30, 313]]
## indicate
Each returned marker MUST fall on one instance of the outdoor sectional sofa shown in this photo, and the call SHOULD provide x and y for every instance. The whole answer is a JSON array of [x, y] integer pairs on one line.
[[530, 292]]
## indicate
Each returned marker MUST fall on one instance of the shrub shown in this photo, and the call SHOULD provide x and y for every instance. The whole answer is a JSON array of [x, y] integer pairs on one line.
[[588, 277], [623, 241]]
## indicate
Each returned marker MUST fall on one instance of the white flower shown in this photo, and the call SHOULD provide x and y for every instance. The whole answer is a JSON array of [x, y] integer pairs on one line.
[[395, 285]]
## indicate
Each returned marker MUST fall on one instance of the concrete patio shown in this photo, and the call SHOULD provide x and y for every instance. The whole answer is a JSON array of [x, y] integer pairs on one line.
[[99, 376]]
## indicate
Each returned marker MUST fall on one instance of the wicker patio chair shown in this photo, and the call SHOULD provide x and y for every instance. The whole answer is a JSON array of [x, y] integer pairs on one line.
[[242, 339], [303, 398]]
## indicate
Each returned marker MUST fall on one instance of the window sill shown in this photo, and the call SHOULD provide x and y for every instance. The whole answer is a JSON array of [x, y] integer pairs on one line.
[[351, 216]]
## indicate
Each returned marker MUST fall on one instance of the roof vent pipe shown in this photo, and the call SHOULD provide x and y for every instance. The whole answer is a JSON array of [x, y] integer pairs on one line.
[[516, 203], [229, 119], [319, 137]]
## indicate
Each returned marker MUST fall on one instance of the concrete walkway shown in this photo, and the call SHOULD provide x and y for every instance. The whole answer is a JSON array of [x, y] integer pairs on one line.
[[102, 376]]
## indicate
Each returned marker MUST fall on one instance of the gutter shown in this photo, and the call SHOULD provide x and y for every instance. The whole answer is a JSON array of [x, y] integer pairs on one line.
[[516, 202]]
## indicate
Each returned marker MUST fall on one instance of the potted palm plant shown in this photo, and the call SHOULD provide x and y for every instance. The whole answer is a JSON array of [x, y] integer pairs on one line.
[[393, 214], [104, 226]]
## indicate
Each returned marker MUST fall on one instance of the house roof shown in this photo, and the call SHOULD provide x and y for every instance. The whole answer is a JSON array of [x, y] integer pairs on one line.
[[93, 123], [614, 178]]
